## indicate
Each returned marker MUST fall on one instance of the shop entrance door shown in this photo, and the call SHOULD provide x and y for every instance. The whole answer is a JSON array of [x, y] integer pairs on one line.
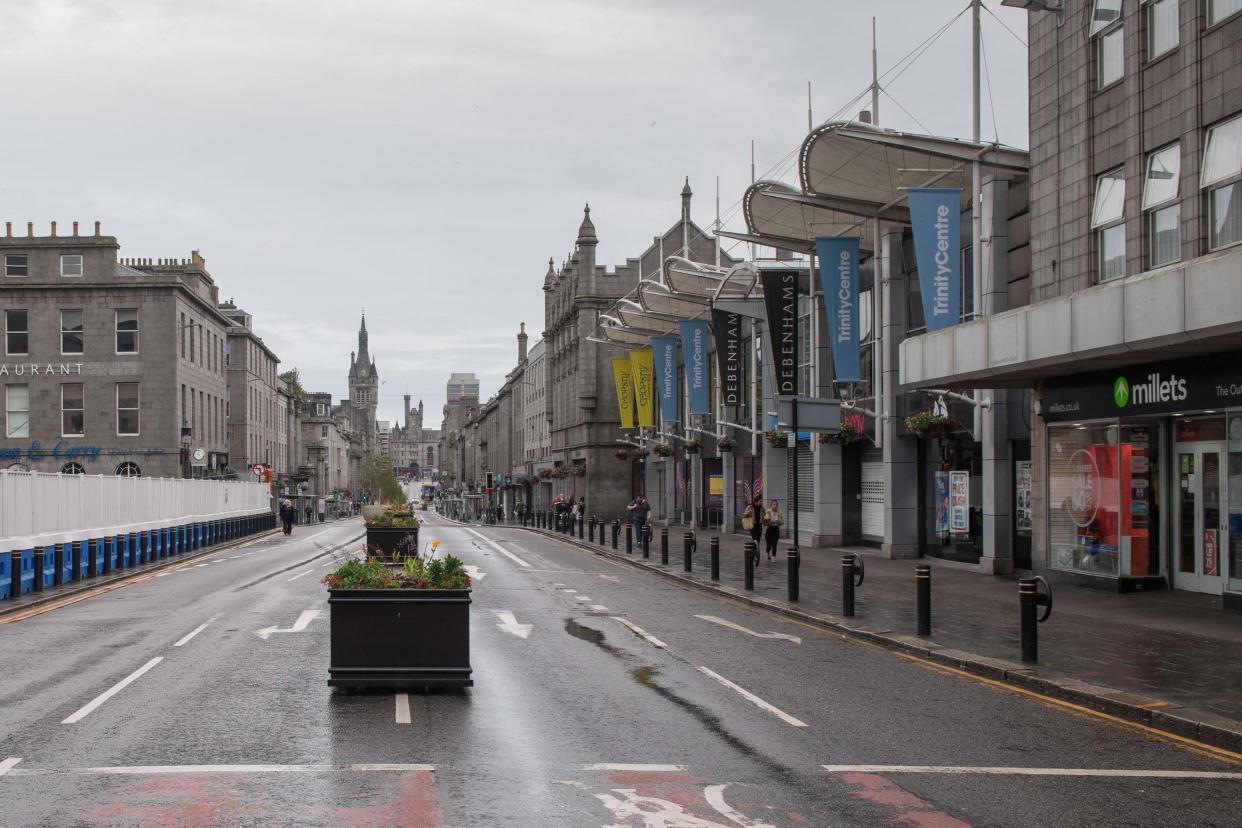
[[1201, 533]]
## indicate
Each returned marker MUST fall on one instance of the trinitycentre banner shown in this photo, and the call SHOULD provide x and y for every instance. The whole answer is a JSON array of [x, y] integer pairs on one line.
[[641, 365], [936, 217], [625, 390], [838, 274], [665, 349], [694, 357]]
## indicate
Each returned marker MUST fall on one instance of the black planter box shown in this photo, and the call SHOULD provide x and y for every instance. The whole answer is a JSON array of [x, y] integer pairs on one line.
[[399, 638], [389, 543]]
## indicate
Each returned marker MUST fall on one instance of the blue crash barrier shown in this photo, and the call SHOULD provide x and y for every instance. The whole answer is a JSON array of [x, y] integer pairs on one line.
[[47, 573], [23, 571], [6, 576]]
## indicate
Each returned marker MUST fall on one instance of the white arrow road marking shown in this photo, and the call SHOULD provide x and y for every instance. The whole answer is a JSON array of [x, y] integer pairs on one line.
[[86, 709], [753, 699], [1107, 772], [510, 624], [298, 626], [403, 708], [612, 578], [7, 764], [500, 549], [725, 623], [714, 794], [474, 572], [186, 638], [641, 633], [653, 811]]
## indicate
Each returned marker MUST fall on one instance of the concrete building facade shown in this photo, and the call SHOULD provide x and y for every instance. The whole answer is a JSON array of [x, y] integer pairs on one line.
[[255, 422]]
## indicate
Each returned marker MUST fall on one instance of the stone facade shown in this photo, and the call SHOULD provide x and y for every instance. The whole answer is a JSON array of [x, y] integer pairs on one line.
[[254, 410], [325, 445], [457, 444], [410, 445], [363, 399]]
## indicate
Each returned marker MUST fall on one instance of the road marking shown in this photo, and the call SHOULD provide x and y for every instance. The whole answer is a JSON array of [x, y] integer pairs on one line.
[[726, 623], [86, 709], [185, 638], [558, 584], [298, 626], [625, 766], [474, 572], [403, 708], [599, 608], [510, 624], [612, 578], [7, 764], [569, 589], [753, 699], [500, 549], [582, 598], [714, 794], [196, 566], [641, 633], [1002, 771], [326, 563], [300, 574], [160, 770], [163, 574]]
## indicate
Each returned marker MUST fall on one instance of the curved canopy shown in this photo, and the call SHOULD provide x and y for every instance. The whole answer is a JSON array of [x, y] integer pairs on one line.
[[705, 281], [657, 298], [778, 212]]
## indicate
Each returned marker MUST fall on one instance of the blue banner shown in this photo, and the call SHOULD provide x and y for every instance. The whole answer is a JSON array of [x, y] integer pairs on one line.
[[665, 351], [936, 216], [838, 274], [694, 358]]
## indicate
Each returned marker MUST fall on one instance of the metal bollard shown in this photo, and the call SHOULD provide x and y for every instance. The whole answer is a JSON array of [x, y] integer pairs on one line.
[[616, 530], [922, 580], [646, 540], [1029, 598], [687, 551], [581, 526], [749, 550], [664, 545], [602, 524], [629, 538], [851, 568], [793, 570], [715, 551], [591, 530]]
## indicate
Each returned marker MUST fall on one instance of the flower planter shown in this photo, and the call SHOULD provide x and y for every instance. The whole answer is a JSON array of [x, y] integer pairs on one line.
[[399, 638], [371, 511], [390, 542]]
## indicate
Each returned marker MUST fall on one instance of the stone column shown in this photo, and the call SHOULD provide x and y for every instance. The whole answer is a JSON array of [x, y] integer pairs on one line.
[[730, 496], [826, 526], [998, 491], [900, 468]]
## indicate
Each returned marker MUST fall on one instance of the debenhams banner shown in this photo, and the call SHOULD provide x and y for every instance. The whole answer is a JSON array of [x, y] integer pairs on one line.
[[1202, 382]]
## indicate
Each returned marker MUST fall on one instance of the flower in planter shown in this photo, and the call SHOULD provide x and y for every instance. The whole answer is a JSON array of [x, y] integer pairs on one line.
[[726, 444], [416, 573], [393, 520], [578, 471], [845, 435], [776, 438], [623, 454], [693, 446], [663, 450], [928, 424]]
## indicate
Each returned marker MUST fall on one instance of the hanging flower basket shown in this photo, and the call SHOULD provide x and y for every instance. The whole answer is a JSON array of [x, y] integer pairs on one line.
[[776, 438], [623, 454], [578, 471], [693, 446], [663, 450], [559, 474], [927, 424], [545, 474], [846, 435], [726, 444], [639, 453]]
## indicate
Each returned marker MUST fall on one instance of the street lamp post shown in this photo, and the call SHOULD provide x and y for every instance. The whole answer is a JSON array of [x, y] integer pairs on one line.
[[186, 439]]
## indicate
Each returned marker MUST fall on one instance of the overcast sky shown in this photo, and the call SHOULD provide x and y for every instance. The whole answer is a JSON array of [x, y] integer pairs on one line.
[[424, 159]]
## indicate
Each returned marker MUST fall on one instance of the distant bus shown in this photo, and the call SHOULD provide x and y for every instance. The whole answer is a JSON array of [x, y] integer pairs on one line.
[[429, 491]]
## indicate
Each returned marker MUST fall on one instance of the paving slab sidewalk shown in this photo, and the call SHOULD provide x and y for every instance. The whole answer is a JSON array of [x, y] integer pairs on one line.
[[1166, 658]]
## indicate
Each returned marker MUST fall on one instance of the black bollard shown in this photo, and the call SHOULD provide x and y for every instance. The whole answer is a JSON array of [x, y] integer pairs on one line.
[[922, 580], [847, 586], [664, 545], [715, 549], [601, 532], [1029, 598], [591, 530], [749, 550], [794, 561], [581, 526], [687, 551], [646, 540], [629, 538], [616, 530]]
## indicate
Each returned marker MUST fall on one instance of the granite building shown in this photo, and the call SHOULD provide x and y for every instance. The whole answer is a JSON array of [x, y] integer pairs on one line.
[[254, 400]]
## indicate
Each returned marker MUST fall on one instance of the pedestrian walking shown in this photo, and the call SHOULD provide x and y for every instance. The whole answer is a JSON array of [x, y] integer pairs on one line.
[[287, 515], [639, 509], [752, 522], [772, 520]]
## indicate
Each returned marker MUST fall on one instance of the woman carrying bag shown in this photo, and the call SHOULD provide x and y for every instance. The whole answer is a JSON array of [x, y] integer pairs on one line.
[[773, 520], [752, 522]]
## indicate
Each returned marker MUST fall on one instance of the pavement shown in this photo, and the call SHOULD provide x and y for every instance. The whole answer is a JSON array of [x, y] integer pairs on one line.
[[604, 695], [1165, 657]]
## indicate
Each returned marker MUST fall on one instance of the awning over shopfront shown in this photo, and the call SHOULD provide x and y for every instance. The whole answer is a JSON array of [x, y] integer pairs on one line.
[[686, 291]]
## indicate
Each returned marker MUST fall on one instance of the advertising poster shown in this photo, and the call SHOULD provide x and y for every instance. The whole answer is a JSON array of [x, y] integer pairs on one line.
[[959, 502], [942, 503], [642, 367], [621, 374], [1022, 496]]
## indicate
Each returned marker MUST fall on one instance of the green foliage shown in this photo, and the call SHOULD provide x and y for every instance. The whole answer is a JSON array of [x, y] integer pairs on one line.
[[393, 520], [439, 573], [294, 378], [356, 574], [416, 573], [379, 481]]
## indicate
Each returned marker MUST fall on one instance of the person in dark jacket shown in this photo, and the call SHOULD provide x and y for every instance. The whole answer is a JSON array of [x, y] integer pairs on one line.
[[287, 516], [639, 509]]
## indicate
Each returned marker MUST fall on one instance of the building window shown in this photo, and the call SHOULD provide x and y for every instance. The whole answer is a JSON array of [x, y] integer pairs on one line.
[[1162, 27], [1107, 219], [72, 415], [1110, 57], [72, 468], [128, 416], [17, 411], [1104, 14], [16, 332], [70, 265], [127, 330], [1161, 206], [71, 332], [16, 264], [181, 327], [1218, 10], [1222, 168], [128, 469]]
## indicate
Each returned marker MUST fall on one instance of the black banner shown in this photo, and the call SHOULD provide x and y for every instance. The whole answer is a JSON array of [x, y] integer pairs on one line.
[[727, 330], [780, 299], [1204, 382]]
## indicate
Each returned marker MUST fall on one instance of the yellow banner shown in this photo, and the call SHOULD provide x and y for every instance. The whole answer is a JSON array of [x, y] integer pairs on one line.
[[625, 390], [642, 364]]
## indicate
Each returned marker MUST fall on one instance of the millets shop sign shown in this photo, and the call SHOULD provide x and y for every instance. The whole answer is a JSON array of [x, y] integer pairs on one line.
[[1212, 381]]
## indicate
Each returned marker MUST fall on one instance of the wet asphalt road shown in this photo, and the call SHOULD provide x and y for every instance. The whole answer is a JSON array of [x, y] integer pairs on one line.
[[608, 698]]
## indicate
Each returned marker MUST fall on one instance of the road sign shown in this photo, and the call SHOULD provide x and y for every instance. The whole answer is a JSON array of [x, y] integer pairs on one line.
[[257, 469], [814, 413]]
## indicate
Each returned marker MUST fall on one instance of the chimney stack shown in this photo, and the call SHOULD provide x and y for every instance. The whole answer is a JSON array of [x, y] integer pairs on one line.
[[522, 344], [30, 229], [96, 228], [75, 229], [53, 229], [8, 229]]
